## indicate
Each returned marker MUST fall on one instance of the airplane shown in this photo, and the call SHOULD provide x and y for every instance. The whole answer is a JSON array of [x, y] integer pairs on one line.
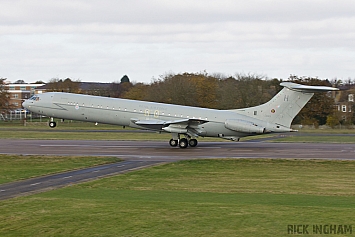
[[185, 123]]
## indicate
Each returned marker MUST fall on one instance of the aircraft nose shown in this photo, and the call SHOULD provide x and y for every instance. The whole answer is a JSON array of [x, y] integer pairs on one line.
[[25, 104]]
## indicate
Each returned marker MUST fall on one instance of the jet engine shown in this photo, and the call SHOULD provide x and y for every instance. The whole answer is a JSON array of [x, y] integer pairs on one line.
[[244, 126]]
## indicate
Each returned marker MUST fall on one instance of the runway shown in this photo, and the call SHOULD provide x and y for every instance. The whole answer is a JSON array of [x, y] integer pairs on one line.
[[161, 151], [140, 154]]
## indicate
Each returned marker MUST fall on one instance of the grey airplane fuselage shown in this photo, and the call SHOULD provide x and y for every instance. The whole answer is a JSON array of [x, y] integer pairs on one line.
[[275, 115], [123, 112]]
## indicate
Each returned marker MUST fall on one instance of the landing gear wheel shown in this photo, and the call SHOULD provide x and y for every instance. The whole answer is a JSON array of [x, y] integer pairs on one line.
[[193, 142], [173, 142], [183, 143], [52, 124]]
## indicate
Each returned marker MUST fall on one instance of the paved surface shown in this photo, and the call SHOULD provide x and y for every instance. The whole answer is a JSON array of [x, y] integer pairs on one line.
[[49, 182], [140, 154], [161, 151]]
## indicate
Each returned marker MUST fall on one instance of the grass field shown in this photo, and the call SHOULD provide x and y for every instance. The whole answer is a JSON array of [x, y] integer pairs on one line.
[[230, 197], [15, 167], [244, 197]]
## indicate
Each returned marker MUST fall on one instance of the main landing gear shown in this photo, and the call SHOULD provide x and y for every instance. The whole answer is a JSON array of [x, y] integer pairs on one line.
[[52, 124], [183, 142]]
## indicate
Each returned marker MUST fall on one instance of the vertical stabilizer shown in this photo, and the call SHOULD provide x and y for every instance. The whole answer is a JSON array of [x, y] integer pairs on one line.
[[284, 106]]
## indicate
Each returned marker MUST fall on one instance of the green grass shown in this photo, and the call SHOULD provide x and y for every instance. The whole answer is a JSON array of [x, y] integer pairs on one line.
[[243, 197], [15, 167]]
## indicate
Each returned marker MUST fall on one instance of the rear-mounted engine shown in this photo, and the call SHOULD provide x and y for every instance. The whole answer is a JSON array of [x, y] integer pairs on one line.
[[244, 126]]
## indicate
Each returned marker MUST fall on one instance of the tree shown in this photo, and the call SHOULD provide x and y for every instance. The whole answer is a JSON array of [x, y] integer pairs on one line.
[[124, 79], [118, 89], [206, 90], [124, 87], [114, 89], [67, 85], [209, 91], [251, 90], [137, 92], [39, 82], [20, 82], [227, 97], [184, 89], [319, 107], [332, 121], [174, 89], [4, 97]]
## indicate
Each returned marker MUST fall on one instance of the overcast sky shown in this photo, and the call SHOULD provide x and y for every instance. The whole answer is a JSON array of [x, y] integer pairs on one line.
[[102, 40]]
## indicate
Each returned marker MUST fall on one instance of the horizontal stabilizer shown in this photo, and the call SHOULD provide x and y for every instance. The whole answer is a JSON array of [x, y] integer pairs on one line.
[[305, 88]]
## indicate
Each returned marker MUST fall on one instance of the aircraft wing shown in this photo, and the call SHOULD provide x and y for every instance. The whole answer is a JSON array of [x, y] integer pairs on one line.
[[184, 126]]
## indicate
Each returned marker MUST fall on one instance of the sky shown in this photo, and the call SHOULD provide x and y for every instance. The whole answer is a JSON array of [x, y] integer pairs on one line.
[[102, 40]]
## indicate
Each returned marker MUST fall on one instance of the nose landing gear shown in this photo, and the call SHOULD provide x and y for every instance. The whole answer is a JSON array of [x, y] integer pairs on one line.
[[52, 124]]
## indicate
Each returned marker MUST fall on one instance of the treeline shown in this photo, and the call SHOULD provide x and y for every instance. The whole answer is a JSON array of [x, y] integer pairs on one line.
[[215, 91], [203, 90]]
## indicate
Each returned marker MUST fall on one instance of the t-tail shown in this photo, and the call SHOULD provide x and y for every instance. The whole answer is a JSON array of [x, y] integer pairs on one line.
[[284, 106]]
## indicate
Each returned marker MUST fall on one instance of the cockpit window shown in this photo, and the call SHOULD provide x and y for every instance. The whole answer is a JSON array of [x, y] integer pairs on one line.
[[34, 97]]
